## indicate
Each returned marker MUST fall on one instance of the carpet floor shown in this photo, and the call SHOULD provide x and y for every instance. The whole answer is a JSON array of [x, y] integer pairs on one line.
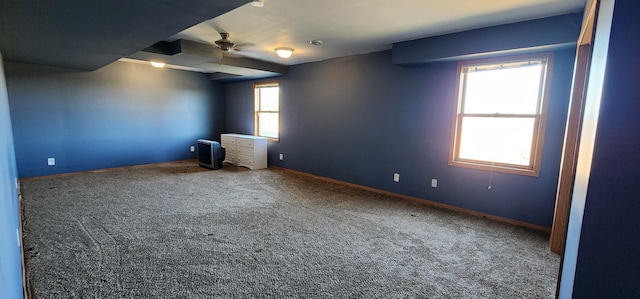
[[176, 230]]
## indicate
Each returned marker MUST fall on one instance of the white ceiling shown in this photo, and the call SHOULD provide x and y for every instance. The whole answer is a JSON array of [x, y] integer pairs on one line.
[[350, 27]]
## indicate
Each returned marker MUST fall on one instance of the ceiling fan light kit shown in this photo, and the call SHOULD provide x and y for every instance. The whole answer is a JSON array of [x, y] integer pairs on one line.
[[257, 3], [284, 52], [157, 64]]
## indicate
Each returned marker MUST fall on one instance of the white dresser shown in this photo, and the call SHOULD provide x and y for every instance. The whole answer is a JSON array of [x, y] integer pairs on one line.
[[245, 150]]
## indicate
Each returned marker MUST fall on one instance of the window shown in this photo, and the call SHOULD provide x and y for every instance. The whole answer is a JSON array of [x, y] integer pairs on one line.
[[267, 106], [501, 113]]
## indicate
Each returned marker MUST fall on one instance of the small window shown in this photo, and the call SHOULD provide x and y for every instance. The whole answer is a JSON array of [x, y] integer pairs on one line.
[[267, 107], [501, 113]]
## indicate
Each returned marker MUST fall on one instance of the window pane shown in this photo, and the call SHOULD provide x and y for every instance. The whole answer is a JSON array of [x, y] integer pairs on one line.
[[268, 124], [501, 140], [269, 98], [506, 91]]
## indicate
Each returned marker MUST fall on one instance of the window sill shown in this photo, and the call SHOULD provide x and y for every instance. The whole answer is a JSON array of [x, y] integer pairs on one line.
[[497, 168]]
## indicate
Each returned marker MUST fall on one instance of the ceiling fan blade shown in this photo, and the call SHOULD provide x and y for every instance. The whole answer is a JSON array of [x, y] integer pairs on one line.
[[244, 45], [218, 54], [234, 54]]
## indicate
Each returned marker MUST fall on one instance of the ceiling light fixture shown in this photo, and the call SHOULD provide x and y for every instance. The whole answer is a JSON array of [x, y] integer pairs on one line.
[[157, 64], [284, 52], [257, 3], [316, 42]]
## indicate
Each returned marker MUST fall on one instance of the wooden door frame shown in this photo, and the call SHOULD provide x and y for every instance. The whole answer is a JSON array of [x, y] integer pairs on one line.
[[572, 132]]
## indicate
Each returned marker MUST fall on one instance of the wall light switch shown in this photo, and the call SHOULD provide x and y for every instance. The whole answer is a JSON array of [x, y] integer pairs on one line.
[[193, 148], [281, 157], [396, 177], [434, 183], [51, 161]]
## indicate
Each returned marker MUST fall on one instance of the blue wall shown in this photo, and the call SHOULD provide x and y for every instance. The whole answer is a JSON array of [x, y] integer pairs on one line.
[[544, 34], [359, 119], [608, 264], [10, 262], [120, 115]]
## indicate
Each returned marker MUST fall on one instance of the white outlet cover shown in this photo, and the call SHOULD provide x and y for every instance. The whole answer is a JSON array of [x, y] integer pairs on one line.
[[18, 236], [434, 183], [396, 177], [193, 148], [281, 157], [51, 161]]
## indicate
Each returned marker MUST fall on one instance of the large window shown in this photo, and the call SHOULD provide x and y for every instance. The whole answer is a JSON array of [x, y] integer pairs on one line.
[[501, 113], [267, 107]]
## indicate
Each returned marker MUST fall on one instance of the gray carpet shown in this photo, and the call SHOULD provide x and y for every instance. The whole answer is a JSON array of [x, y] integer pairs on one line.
[[179, 231]]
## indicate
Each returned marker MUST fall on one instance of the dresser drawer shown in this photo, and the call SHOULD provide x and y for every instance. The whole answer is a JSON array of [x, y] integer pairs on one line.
[[247, 151], [244, 142], [242, 159], [230, 157], [229, 149], [227, 140]]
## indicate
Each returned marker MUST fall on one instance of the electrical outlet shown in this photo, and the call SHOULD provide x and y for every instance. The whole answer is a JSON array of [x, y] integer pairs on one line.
[[18, 236], [193, 148], [396, 177], [51, 161], [281, 157], [434, 183], [17, 184]]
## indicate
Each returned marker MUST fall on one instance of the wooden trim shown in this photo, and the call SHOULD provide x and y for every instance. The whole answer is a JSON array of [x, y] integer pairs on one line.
[[257, 111], [499, 115], [504, 59], [569, 153], [572, 135], [454, 149], [471, 163], [379, 191], [61, 175], [266, 83], [422, 201], [587, 32], [542, 126]]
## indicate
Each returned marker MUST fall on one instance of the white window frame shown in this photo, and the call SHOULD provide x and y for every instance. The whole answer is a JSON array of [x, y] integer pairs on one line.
[[256, 92]]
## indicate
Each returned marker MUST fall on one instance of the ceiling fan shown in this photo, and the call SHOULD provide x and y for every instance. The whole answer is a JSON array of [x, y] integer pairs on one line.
[[225, 44]]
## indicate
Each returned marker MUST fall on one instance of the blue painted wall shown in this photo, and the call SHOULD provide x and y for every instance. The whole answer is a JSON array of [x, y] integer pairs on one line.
[[608, 264], [359, 119], [510, 39], [10, 262], [120, 115]]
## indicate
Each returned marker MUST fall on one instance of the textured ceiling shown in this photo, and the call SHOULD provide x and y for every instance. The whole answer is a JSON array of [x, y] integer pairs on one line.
[[358, 27], [90, 34]]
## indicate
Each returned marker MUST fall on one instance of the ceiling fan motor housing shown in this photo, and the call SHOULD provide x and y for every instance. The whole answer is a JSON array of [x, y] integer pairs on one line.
[[225, 44]]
